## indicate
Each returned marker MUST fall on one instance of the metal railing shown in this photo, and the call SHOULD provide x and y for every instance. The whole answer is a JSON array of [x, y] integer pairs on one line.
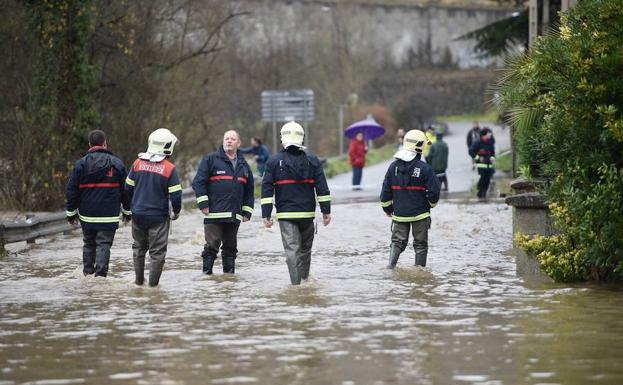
[[37, 226]]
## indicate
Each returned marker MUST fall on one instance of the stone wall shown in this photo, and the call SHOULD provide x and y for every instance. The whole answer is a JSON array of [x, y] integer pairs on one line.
[[381, 32]]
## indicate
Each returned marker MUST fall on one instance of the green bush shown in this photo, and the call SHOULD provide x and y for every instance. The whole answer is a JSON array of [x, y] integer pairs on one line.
[[566, 101]]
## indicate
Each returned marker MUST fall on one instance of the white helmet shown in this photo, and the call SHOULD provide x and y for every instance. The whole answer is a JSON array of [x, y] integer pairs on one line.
[[292, 134], [161, 142], [415, 140]]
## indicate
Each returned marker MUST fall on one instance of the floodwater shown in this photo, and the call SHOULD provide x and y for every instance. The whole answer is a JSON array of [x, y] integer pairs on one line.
[[465, 319]]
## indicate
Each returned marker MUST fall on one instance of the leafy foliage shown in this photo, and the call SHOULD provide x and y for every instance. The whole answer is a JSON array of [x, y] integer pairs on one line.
[[566, 98]]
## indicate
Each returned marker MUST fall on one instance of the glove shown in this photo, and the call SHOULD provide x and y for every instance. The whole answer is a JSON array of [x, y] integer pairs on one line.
[[175, 216], [72, 219]]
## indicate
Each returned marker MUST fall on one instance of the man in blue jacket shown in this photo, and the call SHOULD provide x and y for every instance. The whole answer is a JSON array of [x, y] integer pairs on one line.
[[94, 196], [483, 153], [260, 151], [224, 190], [410, 190], [150, 185], [297, 180]]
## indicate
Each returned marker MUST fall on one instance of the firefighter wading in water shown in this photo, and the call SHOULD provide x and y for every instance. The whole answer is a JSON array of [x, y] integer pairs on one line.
[[296, 179], [409, 191]]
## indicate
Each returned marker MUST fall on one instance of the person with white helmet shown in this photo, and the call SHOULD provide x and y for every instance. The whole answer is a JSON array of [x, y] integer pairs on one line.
[[94, 196], [225, 195], [293, 181], [151, 183], [410, 190]]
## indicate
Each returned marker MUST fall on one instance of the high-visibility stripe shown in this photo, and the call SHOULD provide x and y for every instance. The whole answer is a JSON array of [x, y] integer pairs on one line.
[[219, 215], [266, 201], [177, 187], [98, 185], [432, 204], [221, 177], [324, 198], [99, 219], [411, 219], [387, 203], [126, 212], [419, 188], [202, 198], [294, 181], [129, 181], [71, 213], [484, 165], [242, 179], [296, 215], [247, 209], [239, 217]]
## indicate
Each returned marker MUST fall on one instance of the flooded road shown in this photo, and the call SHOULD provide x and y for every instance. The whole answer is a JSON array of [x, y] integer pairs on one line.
[[465, 319]]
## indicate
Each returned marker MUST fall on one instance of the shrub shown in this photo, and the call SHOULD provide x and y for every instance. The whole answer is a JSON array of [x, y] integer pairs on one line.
[[566, 101]]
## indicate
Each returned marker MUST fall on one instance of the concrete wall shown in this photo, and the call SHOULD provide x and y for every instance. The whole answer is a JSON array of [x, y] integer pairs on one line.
[[385, 33]]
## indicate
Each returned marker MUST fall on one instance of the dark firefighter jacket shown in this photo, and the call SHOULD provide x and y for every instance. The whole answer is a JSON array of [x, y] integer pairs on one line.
[[95, 190], [228, 193], [296, 180], [410, 189], [150, 186], [483, 152]]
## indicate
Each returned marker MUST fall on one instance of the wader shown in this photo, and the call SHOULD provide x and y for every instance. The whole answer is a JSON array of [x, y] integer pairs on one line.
[[400, 239]]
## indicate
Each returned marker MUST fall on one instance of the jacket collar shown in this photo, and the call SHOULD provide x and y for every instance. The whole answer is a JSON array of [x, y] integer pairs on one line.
[[99, 149], [222, 154]]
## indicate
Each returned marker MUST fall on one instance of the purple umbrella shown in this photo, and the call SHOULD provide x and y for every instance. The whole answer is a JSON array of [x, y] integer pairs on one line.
[[369, 127]]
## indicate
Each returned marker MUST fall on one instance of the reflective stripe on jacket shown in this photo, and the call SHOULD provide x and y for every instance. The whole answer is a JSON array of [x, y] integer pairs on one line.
[[297, 181]]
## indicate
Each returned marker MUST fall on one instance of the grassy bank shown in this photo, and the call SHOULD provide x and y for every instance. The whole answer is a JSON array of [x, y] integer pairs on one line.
[[340, 165]]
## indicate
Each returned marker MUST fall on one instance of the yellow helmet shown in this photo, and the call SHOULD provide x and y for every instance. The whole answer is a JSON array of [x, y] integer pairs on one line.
[[292, 133], [415, 140], [161, 142]]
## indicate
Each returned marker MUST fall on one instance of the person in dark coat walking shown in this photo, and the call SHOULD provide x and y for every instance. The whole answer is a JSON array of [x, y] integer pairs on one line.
[[296, 180], [438, 157], [410, 190], [483, 153], [224, 189], [357, 156], [260, 151], [95, 196], [473, 135], [151, 183]]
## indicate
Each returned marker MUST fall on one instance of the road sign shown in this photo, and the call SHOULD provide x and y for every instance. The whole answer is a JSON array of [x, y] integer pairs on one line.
[[285, 106]]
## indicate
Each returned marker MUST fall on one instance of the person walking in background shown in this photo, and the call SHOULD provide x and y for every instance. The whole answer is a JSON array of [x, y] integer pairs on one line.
[[483, 153], [439, 160], [430, 135], [153, 182], [296, 180], [260, 151], [94, 197], [357, 155], [224, 189], [410, 189], [473, 135], [400, 134]]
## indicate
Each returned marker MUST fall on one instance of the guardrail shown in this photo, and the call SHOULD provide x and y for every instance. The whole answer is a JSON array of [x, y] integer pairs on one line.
[[43, 225]]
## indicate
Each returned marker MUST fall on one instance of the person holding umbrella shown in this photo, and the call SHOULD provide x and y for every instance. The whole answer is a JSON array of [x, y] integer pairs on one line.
[[357, 154]]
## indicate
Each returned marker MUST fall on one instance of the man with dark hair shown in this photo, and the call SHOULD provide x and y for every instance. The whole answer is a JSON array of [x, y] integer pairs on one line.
[[260, 151], [94, 196], [483, 153]]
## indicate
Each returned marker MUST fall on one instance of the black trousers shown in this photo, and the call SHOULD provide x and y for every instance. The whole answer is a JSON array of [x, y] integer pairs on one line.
[[223, 236], [483, 182], [96, 251], [297, 238]]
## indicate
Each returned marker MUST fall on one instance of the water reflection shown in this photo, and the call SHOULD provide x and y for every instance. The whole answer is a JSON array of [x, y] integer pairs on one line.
[[465, 318]]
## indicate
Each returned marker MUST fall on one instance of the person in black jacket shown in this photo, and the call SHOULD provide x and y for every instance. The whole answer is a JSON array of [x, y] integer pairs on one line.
[[297, 180], [483, 153], [410, 190], [94, 196], [224, 190], [150, 185]]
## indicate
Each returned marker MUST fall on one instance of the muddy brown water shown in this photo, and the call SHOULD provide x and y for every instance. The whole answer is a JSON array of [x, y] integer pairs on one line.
[[465, 319]]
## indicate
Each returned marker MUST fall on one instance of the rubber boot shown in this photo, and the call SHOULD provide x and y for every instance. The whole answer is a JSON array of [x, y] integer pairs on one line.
[[229, 265], [394, 253], [208, 263], [139, 272], [155, 271], [420, 258]]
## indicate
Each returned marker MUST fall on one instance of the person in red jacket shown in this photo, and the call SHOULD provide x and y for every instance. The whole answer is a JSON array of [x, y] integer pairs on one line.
[[357, 154]]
